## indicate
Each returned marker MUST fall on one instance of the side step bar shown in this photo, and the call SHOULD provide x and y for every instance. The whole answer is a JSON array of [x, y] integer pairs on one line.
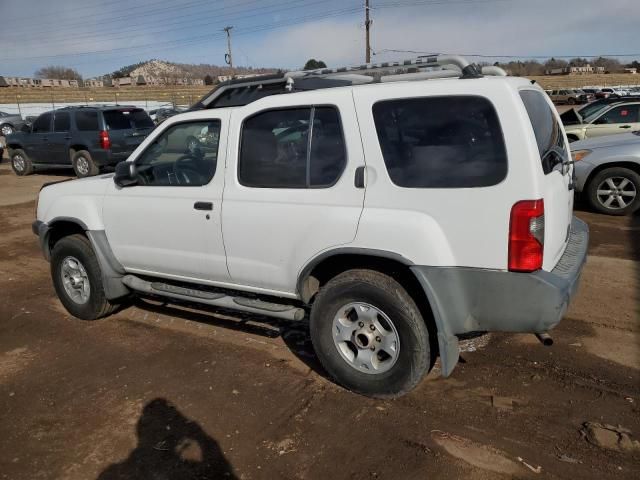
[[286, 312]]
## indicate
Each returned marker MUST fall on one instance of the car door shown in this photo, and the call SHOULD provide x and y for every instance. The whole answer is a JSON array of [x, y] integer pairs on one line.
[[169, 223], [290, 191], [37, 146], [59, 138], [618, 119]]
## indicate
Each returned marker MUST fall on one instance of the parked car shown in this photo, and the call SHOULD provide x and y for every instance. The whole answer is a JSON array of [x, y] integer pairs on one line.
[[568, 96], [394, 230], [608, 172], [86, 138], [617, 118], [607, 92], [9, 123], [576, 116], [161, 114]]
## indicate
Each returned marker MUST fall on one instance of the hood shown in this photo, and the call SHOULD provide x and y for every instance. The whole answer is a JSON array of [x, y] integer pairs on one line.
[[79, 186], [607, 141]]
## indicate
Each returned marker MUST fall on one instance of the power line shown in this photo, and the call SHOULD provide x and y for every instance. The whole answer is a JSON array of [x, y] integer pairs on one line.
[[482, 55], [204, 22]]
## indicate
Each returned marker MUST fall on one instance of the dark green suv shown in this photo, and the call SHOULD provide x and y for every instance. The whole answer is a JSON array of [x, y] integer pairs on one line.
[[86, 138]]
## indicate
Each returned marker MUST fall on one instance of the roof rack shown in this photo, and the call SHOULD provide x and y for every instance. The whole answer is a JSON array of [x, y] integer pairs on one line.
[[233, 93]]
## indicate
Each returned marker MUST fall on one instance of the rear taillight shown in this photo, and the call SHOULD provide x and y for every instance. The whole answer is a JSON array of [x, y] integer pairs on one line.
[[105, 141], [526, 236]]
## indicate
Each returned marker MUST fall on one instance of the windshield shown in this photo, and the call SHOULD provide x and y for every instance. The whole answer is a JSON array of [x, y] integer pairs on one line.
[[592, 109]]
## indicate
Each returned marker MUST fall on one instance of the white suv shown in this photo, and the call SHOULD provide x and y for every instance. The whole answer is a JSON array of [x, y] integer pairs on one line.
[[399, 210]]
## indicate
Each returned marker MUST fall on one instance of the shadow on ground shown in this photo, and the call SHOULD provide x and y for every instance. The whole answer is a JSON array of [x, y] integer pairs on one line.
[[295, 334], [170, 446]]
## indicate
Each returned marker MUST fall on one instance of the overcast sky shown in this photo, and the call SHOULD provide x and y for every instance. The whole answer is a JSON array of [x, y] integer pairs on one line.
[[99, 36]]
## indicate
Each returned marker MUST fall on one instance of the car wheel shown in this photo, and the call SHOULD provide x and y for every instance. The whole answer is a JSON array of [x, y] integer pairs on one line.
[[571, 101], [20, 163], [615, 191], [83, 164], [369, 334], [77, 278], [6, 129]]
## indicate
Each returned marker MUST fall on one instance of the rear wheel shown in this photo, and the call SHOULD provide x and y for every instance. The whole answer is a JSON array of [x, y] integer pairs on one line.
[[20, 163], [83, 164], [77, 278], [571, 101], [369, 334], [615, 191]]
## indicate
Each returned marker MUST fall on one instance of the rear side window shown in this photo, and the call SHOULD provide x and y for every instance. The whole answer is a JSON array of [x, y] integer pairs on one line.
[[441, 142], [141, 119], [293, 148], [87, 120], [61, 122], [117, 120], [546, 127], [42, 123]]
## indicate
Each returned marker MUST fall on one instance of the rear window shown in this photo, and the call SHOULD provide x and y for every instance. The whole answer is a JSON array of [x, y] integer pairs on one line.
[[127, 119], [441, 142], [87, 120], [547, 129]]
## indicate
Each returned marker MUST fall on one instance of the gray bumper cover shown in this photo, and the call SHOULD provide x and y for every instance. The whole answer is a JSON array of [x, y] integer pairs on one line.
[[470, 299]]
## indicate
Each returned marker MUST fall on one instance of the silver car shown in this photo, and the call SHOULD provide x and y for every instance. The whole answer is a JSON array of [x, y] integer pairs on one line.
[[9, 123], [608, 172]]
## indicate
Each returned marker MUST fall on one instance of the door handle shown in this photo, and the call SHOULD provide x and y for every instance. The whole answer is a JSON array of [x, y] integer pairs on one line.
[[625, 126], [45, 139], [358, 181], [67, 138], [203, 206]]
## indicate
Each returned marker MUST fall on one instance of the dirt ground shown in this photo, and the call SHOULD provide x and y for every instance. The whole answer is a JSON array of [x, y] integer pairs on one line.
[[169, 392]]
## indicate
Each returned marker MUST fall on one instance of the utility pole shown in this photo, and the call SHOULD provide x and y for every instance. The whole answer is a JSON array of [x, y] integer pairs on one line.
[[228, 58], [367, 26]]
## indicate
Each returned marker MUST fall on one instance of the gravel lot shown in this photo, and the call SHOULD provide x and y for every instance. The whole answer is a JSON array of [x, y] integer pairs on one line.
[[164, 391]]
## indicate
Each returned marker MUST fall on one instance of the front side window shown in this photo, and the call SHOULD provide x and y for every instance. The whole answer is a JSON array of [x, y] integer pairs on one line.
[[61, 122], [441, 142], [292, 148], [621, 114], [186, 154], [42, 123]]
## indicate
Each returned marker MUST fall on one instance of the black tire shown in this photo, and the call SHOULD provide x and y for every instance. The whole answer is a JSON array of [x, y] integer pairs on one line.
[[571, 101], [6, 129], [83, 164], [79, 248], [616, 175], [21, 163], [414, 357]]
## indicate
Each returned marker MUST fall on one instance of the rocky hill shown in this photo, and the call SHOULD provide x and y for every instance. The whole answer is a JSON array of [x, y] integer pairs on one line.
[[161, 68]]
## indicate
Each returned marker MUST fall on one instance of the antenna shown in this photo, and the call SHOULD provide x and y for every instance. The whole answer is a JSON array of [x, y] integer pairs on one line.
[[228, 58]]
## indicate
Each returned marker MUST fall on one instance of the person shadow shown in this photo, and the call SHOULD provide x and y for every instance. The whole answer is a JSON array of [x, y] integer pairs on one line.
[[170, 447]]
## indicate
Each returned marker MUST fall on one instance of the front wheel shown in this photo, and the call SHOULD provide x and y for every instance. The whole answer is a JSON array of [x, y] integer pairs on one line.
[[571, 101], [21, 163], [77, 278], [615, 191], [369, 334]]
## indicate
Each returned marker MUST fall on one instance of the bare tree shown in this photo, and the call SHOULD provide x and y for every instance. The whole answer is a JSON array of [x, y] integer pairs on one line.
[[58, 72]]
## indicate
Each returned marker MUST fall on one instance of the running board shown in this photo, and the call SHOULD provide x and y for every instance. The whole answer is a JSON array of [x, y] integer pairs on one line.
[[243, 304]]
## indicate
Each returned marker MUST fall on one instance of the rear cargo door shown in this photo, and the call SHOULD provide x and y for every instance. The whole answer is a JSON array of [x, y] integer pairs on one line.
[[127, 128], [557, 181]]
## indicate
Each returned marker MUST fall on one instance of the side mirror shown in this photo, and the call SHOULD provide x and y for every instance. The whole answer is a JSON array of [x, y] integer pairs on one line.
[[126, 174]]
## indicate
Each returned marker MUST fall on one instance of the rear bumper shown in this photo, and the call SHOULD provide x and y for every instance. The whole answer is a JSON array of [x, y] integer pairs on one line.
[[468, 299]]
